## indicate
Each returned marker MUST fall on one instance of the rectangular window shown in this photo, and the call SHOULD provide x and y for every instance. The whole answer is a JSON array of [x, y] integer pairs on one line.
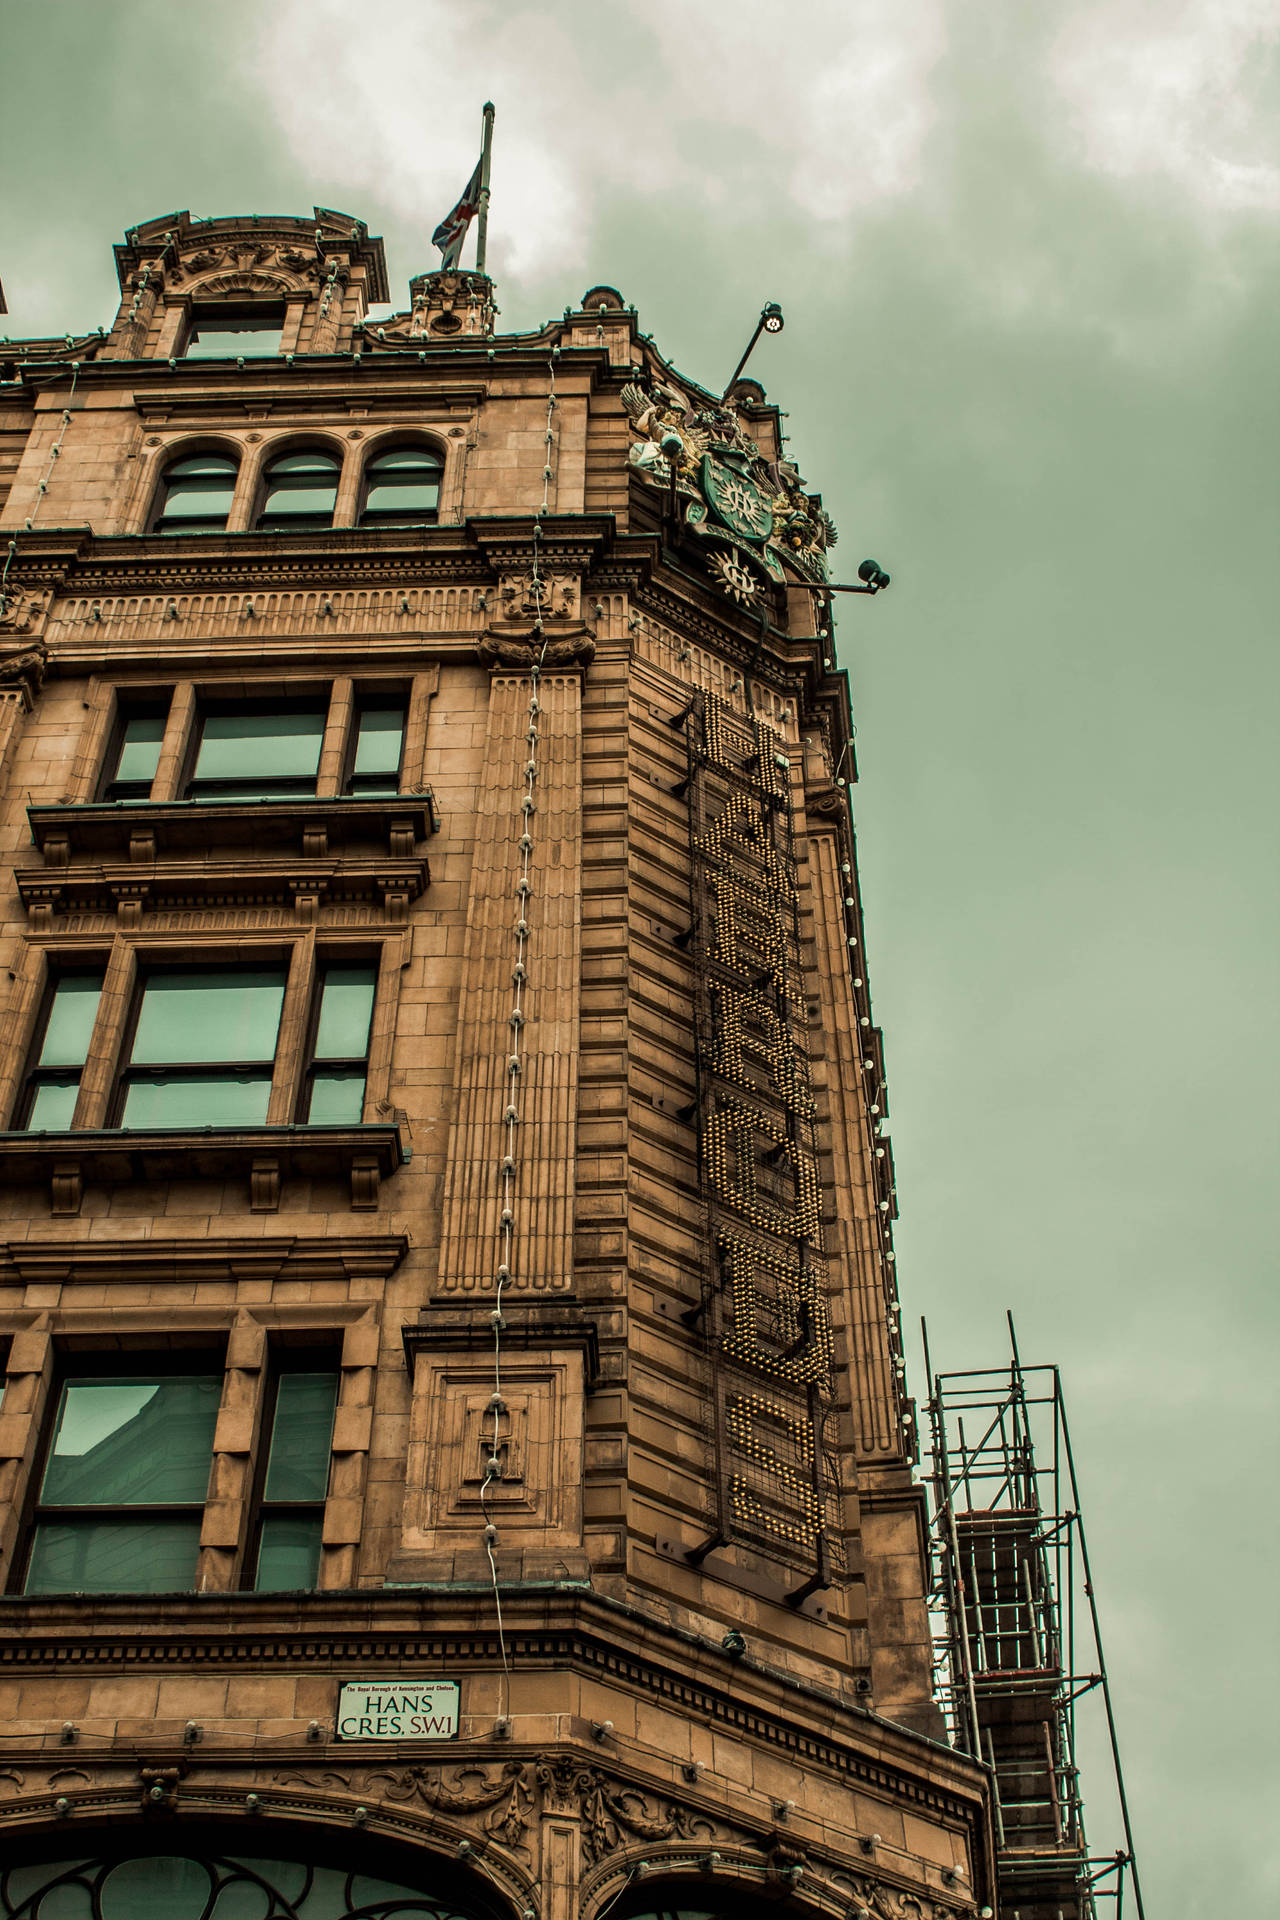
[[264, 749], [377, 747], [67, 1021], [203, 1048], [258, 753], [334, 1090], [284, 1553], [124, 1483], [135, 755], [234, 332]]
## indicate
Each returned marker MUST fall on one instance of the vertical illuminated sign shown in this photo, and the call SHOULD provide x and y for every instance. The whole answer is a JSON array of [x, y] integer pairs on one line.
[[765, 1286]]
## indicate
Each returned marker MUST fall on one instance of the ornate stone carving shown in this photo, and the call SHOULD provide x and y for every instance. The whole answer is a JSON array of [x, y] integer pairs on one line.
[[523, 652], [21, 608], [448, 304], [241, 262], [610, 1811], [506, 1799], [24, 668], [551, 595], [755, 511], [159, 1788], [870, 1900]]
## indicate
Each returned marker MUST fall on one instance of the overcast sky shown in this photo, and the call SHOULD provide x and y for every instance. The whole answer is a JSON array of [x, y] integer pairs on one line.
[[1028, 258]]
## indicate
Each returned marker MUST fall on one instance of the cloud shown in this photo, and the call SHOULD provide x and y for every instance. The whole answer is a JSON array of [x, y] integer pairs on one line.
[[715, 110], [1096, 169], [1182, 95]]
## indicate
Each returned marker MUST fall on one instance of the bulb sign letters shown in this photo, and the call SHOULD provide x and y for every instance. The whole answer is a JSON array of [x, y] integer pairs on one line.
[[398, 1710]]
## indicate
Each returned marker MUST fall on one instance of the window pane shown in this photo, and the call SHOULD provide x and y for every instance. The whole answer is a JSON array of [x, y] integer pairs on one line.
[[199, 492], [197, 1100], [199, 489], [166, 1889], [400, 459], [133, 1442], [140, 748], [309, 460], [52, 1106], [71, 1018], [301, 1433], [194, 1016], [289, 1554], [398, 497], [300, 485], [261, 746], [197, 463], [402, 485], [337, 1097], [90, 1556], [379, 737], [346, 1008]]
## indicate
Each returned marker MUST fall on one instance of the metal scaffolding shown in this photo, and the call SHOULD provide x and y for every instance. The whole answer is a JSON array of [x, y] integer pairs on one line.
[[1018, 1649]]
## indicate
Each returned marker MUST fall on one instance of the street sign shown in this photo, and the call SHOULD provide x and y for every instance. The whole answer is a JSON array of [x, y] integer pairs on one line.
[[398, 1710]]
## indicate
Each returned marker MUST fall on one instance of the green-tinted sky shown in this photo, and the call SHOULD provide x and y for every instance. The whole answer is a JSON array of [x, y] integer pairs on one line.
[[1028, 257]]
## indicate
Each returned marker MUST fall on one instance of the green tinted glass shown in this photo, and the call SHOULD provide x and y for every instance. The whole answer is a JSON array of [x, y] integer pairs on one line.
[[197, 1100], [133, 1442], [167, 1889], [200, 489], [405, 460], [337, 1097], [346, 1008], [301, 1433], [89, 1556], [379, 738], [289, 1553], [402, 485], [253, 747], [72, 1012], [140, 748], [301, 485], [52, 1105], [192, 1015]]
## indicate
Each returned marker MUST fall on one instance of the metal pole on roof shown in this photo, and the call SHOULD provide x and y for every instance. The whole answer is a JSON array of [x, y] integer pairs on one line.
[[482, 229]]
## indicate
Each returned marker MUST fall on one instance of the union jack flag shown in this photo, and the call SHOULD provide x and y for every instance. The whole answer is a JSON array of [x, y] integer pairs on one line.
[[452, 231]]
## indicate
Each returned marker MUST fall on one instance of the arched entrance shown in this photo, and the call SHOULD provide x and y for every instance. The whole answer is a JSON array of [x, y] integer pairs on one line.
[[252, 1870]]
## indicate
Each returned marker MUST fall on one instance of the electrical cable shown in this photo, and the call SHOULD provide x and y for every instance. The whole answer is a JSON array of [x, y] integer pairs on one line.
[[41, 489], [515, 1064]]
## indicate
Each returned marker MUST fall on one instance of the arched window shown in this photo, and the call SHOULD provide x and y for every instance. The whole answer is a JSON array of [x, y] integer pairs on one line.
[[299, 491], [193, 1882], [196, 493], [401, 488]]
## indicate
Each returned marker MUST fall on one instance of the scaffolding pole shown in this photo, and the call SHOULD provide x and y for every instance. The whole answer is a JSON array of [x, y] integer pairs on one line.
[[1009, 1541]]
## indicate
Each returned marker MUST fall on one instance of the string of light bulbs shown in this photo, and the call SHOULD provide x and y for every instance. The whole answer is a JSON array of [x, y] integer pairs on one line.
[[516, 1022], [42, 488]]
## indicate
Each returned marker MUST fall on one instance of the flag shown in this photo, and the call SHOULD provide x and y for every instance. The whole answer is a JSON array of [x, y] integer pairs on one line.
[[452, 231]]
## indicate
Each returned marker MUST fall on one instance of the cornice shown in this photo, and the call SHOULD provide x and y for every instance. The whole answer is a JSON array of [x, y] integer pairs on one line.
[[373, 1256], [331, 1632]]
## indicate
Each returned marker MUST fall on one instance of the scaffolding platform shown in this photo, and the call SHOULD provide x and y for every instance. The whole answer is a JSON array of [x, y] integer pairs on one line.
[[1018, 1648]]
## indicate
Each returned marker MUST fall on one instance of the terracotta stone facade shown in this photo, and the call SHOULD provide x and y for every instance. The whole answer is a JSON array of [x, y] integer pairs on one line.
[[692, 1651]]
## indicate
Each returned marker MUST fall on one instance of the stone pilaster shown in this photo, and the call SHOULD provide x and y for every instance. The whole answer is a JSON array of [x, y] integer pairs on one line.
[[548, 1082]]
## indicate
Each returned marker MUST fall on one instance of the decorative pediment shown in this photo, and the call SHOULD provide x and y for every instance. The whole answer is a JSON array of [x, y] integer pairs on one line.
[[244, 266], [252, 282]]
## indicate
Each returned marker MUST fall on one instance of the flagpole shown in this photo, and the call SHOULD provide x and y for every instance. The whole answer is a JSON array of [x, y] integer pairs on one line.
[[482, 230]]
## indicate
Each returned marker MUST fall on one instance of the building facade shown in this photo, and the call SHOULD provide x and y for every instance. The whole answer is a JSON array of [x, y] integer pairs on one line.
[[454, 1455]]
